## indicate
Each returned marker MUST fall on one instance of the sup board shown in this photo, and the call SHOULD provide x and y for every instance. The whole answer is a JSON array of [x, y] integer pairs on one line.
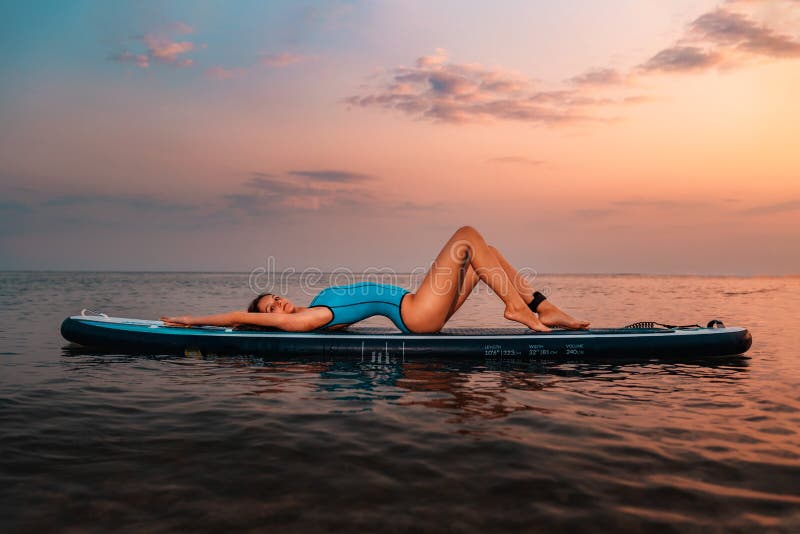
[[383, 344]]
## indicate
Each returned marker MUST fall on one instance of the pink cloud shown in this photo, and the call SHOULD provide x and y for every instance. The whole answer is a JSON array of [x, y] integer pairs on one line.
[[603, 76], [317, 190], [682, 58], [461, 92], [464, 92], [165, 51], [439, 57], [160, 48], [724, 37], [735, 29]]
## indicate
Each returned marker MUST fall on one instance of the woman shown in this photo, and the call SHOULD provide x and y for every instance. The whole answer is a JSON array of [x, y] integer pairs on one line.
[[464, 260]]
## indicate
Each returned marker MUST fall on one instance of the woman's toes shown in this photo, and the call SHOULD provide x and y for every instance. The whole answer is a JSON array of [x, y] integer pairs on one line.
[[556, 317]]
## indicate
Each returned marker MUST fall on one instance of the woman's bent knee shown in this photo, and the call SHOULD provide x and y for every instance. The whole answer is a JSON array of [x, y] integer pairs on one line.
[[466, 231]]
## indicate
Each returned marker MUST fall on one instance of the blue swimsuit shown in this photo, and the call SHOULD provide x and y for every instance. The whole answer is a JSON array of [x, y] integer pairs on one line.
[[355, 302]]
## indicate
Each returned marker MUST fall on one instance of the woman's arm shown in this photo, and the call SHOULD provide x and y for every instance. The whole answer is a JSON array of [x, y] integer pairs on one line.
[[302, 321], [221, 319]]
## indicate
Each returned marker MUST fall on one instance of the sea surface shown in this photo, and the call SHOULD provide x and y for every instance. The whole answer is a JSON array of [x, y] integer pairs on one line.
[[99, 442]]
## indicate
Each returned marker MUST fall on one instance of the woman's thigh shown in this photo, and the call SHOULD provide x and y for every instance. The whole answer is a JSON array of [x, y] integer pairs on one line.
[[437, 297]]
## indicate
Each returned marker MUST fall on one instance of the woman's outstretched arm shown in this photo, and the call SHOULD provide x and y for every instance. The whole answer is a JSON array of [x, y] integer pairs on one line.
[[221, 319], [302, 321]]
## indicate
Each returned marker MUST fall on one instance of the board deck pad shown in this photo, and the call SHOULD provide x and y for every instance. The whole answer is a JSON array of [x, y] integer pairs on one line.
[[377, 344]]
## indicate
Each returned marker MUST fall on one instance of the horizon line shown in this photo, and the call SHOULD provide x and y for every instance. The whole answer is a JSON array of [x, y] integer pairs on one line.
[[141, 271]]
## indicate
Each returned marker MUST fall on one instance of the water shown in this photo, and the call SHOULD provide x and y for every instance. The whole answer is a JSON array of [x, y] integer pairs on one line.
[[92, 442]]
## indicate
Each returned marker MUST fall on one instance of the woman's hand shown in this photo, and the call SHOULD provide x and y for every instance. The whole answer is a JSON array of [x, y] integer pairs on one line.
[[183, 320]]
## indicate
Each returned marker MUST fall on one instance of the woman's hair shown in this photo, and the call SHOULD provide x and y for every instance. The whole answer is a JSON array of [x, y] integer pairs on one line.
[[253, 307]]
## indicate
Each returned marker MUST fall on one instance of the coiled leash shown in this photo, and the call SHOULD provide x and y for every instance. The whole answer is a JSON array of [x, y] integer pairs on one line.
[[714, 323]]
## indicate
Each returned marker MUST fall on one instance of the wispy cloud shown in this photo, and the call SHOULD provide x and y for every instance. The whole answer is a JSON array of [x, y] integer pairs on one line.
[[461, 92], [629, 206], [735, 29], [657, 203], [160, 47], [262, 197], [277, 186], [682, 58], [312, 190], [134, 202], [439, 90], [517, 160], [333, 176], [271, 61], [168, 52], [596, 77], [140, 60], [316, 191], [725, 37], [56, 209], [769, 209]]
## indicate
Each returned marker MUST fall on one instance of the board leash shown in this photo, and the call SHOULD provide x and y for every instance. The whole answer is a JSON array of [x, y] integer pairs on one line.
[[714, 323]]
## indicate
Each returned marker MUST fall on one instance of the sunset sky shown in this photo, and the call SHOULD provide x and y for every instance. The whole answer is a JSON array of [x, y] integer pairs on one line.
[[579, 137]]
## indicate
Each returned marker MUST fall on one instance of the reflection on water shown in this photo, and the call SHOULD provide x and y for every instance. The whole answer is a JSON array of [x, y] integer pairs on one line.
[[98, 440]]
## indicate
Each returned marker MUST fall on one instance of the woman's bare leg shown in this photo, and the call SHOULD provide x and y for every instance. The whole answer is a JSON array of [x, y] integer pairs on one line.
[[429, 308], [469, 280], [549, 313]]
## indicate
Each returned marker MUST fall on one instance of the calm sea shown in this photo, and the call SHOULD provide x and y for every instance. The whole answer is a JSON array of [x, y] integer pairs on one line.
[[95, 442]]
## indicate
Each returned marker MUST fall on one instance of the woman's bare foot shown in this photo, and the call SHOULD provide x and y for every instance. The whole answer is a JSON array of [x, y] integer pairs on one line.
[[527, 318], [552, 315]]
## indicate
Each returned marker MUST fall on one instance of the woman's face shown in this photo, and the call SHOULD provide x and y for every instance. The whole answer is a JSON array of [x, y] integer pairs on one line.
[[275, 304]]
